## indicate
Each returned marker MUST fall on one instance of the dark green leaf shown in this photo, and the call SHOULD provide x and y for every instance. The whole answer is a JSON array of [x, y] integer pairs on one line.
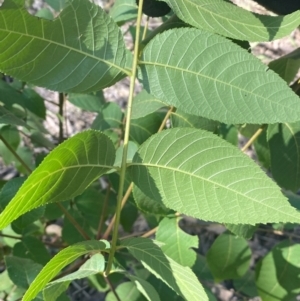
[[127, 292], [88, 102], [246, 284], [244, 231], [228, 257]]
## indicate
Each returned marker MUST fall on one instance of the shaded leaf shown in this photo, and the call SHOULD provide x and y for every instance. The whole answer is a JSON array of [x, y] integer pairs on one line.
[[21, 271], [228, 257], [284, 145], [246, 284], [262, 150], [92, 266], [123, 11], [177, 243], [182, 119], [244, 231], [199, 174], [180, 279], [89, 102], [8, 117], [66, 172], [59, 261], [145, 104], [86, 56], [278, 273], [287, 66], [12, 136], [127, 292], [225, 18], [32, 248], [214, 82]]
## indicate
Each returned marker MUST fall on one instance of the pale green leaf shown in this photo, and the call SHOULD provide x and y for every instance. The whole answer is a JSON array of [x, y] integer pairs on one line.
[[181, 279], [225, 18], [65, 173], [199, 174], [59, 261], [284, 146], [228, 257], [177, 244], [207, 75], [123, 10], [145, 288], [92, 266], [287, 66], [81, 50], [145, 104], [127, 292], [21, 271], [278, 273]]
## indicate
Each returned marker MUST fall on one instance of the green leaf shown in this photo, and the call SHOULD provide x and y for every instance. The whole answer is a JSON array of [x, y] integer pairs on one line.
[[57, 4], [277, 274], [284, 145], [149, 205], [87, 56], [199, 174], [123, 11], [177, 244], [145, 288], [182, 119], [127, 292], [142, 128], [65, 173], [262, 150], [228, 257], [214, 82], [94, 265], [32, 248], [180, 279], [287, 66], [225, 18], [21, 271], [8, 117], [34, 103], [201, 269], [12, 137], [145, 104], [89, 102], [244, 231], [70, 233], [246, 284], [59, 261], [229, 133]]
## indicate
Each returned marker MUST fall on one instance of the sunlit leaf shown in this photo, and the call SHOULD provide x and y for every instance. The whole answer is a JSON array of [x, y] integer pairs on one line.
[[177, 244], [225, 18], [207, 75], [199, 174], [58, 262], [123, 10], [65, 173], [81, 50], [181, 279]]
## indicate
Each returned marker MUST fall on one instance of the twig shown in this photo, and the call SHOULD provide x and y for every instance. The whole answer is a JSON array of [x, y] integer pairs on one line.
[[253, 138], [112, 288], [10, 236], [150, 233]]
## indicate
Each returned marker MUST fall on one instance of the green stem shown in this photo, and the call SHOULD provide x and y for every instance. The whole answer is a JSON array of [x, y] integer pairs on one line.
[[15, 154], [126, 140]]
